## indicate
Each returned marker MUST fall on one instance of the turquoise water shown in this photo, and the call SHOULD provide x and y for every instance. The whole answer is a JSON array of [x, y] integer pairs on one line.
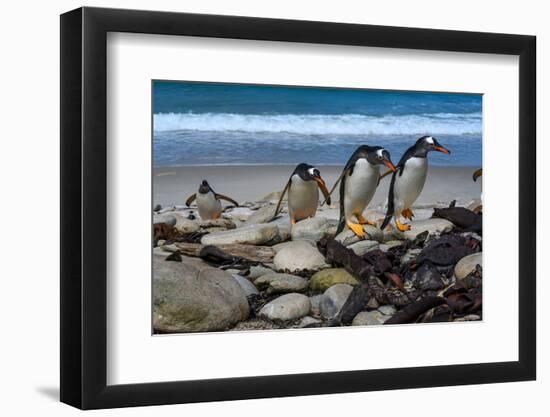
[[235, 124]]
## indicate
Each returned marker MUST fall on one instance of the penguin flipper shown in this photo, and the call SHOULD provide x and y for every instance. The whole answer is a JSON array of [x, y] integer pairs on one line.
[[226, 198], [391, 203], [384, 176], [287, 186], [332, 189], [342, 221], [190, 199]]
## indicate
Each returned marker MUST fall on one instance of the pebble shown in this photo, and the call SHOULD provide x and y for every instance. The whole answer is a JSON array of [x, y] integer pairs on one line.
[[263, 215], [297, 256], [347, 237], [433, 226], [286, 307], [246, 285], [323, 280], [388, 310], [333, 299], [168, 219], [369, 318], [364, 246], [252, 235], [308, 322], [280, 283], [468, 264]]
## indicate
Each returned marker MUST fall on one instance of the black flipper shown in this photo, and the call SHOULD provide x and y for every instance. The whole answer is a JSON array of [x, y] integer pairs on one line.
[[287, 186], [190, 200], [224, 197], [391, 203], [342, 220]]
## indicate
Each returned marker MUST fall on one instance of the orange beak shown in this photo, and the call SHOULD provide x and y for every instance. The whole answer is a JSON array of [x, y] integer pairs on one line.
[[324, 189], [389, 165], [442, 149]]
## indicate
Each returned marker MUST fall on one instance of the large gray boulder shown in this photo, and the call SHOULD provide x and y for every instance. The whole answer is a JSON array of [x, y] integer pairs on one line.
[[299, 255], [334, 299], [258, 234], [193, 297]]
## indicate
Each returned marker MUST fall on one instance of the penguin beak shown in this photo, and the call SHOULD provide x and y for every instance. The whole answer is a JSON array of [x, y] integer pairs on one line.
[[323, 188], [389, 165], [442, 149], [477, 174]]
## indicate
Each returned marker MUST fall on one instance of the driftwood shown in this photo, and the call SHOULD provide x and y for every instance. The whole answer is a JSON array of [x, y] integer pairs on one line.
[[264, 254], [354, 264], [411, 312]]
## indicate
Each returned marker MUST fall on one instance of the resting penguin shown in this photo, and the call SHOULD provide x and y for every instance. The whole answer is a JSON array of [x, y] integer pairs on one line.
[[358, 183], [303, 193], [408, 180], [208, 202]]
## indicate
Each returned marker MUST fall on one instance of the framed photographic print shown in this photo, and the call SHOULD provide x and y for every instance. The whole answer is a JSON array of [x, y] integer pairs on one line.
[[257, 208]]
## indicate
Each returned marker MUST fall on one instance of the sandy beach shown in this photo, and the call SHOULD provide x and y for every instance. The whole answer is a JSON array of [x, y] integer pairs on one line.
[[172, 185]]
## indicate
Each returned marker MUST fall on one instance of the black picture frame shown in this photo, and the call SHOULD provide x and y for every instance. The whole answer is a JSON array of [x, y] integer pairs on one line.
[[84, 207]]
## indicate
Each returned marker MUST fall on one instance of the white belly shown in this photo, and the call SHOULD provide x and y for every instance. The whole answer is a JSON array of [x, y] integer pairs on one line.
[[408, 186], [360, 187], [209, 207], [303, 198]]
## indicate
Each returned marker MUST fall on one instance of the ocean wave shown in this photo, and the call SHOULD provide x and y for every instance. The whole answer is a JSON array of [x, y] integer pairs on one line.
[[322, 124]]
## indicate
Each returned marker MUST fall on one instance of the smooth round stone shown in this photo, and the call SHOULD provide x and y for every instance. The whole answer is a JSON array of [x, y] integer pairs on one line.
[[347, 237], [315, 301], [286, 307], [280, 283], [168, 219], [252, 235], [369, 318], [390, 244], [323, 280], [468, 264], [364, 246], [314, 229], [388, 309], [256, 271], [308, 322], [297, 256], [262, 215], [333, 299], [246, 285]]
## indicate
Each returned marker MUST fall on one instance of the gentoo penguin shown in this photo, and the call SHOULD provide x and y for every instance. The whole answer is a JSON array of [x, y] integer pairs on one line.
[[303, 193], [408, 180], [478, 173], [358, 183], [208, 201]]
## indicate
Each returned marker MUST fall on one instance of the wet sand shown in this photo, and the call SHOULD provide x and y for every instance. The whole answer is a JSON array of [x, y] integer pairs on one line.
[[172, 185]]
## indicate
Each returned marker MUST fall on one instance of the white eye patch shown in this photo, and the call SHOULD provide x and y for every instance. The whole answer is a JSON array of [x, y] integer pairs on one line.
[[430, 140], [311, 171], [379, 152]]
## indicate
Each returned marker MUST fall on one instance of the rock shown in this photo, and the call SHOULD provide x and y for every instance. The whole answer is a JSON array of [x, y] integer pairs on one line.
[[220, 223], [251, 235], [387, 310], [308, 322], [410, 255], [286, 307], [329, 214], [315, 301], [474, 204], [333, 299], [390, 244], [347, 237], [255, 324], [168, 219], [258, 271], [239, 213], [313, 229], [468, 317], [193, 297], [161, 251], [468, 264], [297, 256], [184, 225], [323, 280], [273, 196], [280, 283], [433, 226], [262, 215], [369, 318], [246, 285], [373, 303], [277, 248], [363, 246]]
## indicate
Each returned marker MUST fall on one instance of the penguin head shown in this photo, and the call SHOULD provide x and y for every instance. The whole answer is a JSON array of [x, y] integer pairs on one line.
[[204, 187], [428, 143], [377, 155], [309, 173]]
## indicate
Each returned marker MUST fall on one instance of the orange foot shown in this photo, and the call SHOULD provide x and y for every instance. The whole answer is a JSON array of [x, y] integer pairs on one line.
[[357, 229], [362, 220], [402, 227], [292, 221], [407, 213]]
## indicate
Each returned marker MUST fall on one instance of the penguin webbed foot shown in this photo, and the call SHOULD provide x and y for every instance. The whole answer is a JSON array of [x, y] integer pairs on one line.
[[362, 220], [402, 227], [408, 214], [357, 229]]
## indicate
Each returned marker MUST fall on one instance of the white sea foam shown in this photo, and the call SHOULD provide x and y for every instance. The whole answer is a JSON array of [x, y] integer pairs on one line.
[[317, 124]]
